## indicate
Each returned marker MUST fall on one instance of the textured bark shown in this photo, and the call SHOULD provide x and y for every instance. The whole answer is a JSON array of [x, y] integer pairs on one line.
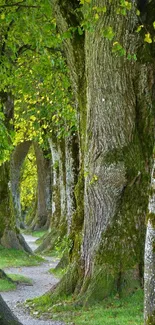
[[56, 199], [17, 159], [116, 141], [6, 315], [62, 179], [9, 194], [42, 218], [149, 275], [5, 212], [72, 169], [117, 162]]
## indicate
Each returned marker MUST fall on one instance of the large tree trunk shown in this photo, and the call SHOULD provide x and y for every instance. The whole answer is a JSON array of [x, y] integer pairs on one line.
[[17, 159], [116, 148], [6, 315], [56, 196], [72, 170]]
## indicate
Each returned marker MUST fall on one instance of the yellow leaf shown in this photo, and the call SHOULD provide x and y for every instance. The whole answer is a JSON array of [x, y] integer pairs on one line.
[[96, 16], [139, 28], [148, 38], [3, 16]]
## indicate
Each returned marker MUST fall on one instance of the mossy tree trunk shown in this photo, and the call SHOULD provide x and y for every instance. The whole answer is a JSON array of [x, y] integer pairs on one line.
[[17, 159], [57, 226], [9, 233], [72, 170], [5, 211], [43, 212], [56, 198], [62, 180], [116, 144]]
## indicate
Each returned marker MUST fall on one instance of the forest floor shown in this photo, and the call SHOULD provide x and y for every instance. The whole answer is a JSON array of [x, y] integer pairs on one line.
[[42, 281]]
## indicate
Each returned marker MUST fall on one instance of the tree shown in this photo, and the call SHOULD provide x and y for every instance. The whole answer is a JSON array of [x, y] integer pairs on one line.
[[115, 108]]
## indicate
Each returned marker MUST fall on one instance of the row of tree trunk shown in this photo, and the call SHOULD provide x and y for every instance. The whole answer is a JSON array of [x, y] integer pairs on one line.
[[96, 186]]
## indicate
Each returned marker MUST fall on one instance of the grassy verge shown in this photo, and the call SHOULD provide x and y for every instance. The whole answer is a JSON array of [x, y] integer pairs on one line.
[[112, 311], [15, 258], [39, 233], [58, 273], [6, 285]]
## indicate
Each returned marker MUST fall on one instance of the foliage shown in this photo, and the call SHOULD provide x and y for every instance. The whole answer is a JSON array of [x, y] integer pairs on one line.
[[5, 140], [28, 182], [92, 14], [34, 71]]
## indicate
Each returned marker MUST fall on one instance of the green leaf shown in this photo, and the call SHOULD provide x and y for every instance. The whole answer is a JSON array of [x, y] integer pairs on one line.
[[139, 28], [80, 30]]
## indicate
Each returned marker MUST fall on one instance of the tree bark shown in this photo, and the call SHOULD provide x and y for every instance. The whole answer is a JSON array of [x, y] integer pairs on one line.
[[9, 233], [43, 213], [6, 315], [72, 170], [56, 196], [17, 159], [116, 143]]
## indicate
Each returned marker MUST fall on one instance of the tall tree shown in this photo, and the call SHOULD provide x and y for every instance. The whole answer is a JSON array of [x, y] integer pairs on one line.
[[114, 102]]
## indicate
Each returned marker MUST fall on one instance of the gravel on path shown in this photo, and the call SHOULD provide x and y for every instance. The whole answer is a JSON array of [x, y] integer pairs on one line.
[[42, 282]]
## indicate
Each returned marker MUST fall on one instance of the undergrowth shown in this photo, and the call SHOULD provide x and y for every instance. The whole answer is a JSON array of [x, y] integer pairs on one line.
[[112, 311]]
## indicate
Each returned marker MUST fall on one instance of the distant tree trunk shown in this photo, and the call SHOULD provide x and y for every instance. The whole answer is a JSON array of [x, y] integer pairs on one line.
[[42, 218], [17, 159], [6, 315], [56, 198], [116, 143], [72, 170], [62, 180], [9, 233]]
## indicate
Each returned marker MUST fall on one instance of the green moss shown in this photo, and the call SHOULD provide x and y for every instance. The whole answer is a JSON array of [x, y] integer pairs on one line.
[[151, 217], [151, 319]]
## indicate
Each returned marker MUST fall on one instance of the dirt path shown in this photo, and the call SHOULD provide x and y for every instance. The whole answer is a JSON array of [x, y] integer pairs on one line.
[[42, 282]]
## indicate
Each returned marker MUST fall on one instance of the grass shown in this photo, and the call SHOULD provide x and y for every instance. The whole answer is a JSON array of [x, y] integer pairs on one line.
[[58, 273], [6, 285], [16, 258], [36, 233], [39, 234], [112, 311]]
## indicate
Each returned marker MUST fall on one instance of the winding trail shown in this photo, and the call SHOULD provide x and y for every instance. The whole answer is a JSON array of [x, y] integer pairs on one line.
[[42, 282]]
